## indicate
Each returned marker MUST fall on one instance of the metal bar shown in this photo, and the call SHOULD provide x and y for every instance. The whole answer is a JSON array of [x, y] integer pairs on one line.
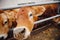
[[46, 19], [8, 4], [36, 31]]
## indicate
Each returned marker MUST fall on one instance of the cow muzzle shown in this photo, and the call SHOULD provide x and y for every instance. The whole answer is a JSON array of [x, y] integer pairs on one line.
[[21, 32], [3, 36]]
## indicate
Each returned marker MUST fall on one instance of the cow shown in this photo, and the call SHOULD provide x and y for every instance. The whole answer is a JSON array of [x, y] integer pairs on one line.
[[6, 22], [24, 21], [4, 26]]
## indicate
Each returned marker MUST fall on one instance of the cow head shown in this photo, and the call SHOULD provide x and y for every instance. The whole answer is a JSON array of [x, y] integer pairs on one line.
[[6, 19], [4, 26], [24, 21]]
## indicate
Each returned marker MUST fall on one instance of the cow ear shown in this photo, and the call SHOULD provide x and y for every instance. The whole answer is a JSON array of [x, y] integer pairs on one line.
[[39, 10]]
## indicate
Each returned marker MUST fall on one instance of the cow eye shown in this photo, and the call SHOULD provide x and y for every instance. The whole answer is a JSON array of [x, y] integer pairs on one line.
[[5, 22], [30, 14]]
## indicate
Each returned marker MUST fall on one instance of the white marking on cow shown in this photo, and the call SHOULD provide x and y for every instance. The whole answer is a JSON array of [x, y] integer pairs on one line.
[[3, 35], [19, 29]]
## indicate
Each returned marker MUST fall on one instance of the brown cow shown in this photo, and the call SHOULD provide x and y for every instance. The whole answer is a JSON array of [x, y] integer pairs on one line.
[[24, 20], [4, 26]]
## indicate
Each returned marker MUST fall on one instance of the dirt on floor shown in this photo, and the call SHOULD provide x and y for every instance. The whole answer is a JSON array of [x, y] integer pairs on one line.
[[52, 33]]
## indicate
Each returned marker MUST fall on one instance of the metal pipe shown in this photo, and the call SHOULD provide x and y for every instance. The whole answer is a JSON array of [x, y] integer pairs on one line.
[[46, 19]]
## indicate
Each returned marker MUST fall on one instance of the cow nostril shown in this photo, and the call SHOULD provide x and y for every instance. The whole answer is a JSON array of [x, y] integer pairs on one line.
[[2, 37], [23, 31]]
